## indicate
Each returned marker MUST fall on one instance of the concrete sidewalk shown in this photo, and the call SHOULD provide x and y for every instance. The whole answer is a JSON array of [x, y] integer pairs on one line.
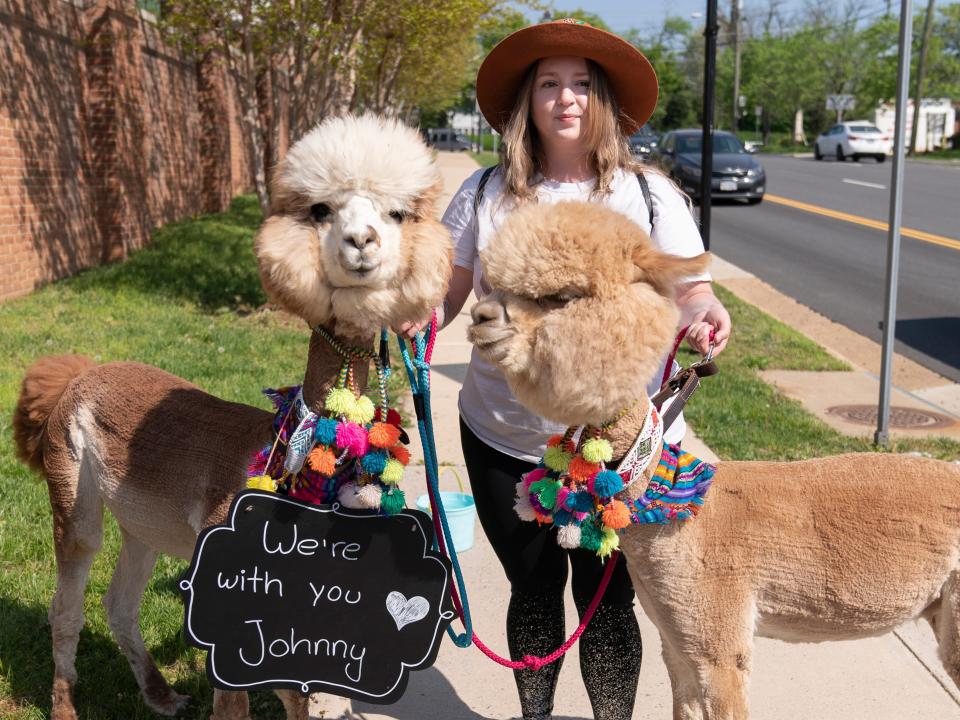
[[895, 677]]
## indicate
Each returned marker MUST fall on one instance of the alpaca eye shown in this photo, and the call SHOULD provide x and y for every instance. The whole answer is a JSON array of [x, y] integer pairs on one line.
[[557, 299], [398, 215], [320, 212]]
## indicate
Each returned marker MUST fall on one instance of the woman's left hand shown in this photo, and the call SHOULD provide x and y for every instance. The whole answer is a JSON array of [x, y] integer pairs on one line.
[[705, 315]]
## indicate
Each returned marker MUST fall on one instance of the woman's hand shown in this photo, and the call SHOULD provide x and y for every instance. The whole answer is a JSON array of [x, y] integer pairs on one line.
[[706, 315], [410, 329]]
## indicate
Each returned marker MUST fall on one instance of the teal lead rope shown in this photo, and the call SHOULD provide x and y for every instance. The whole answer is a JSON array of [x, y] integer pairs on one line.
[[418, 370]]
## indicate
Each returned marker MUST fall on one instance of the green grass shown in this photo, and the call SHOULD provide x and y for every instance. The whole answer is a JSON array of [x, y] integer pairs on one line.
[[188, 304], [741, 417], [946, 154], [486, 159]]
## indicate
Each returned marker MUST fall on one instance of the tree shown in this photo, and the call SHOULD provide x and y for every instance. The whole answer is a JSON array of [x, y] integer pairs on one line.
[[296, 62]]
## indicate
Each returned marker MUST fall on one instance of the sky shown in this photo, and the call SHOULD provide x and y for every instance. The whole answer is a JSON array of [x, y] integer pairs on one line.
[[648, 15]]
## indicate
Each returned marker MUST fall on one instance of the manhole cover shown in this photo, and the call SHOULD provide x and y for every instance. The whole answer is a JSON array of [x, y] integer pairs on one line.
[[904, 418]]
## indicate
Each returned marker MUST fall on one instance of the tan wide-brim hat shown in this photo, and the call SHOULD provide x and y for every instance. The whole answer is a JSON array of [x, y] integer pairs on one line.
[[631, 75]]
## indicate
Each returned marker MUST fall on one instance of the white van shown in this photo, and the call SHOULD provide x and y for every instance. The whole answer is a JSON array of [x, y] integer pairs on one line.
[[448, 139]]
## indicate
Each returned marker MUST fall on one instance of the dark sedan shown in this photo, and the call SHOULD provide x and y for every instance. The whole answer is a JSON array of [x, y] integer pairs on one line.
[[736, 174]]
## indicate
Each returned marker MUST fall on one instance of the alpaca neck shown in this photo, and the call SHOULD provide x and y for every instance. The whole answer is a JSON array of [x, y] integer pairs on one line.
[[622, 434], [324, 363]]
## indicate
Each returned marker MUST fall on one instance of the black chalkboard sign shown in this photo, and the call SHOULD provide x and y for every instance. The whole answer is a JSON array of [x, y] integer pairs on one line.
[[320, 599]]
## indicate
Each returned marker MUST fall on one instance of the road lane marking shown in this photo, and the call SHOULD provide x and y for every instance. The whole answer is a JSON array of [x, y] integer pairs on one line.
[[865, 184], [866, 222]]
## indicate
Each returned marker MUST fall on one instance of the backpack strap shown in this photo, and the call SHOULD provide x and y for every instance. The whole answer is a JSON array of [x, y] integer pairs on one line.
[[645, 189], [478, 198]]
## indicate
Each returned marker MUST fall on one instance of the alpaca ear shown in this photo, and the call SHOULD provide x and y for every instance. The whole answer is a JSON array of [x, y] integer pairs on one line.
[[425, 204], [664, 271]]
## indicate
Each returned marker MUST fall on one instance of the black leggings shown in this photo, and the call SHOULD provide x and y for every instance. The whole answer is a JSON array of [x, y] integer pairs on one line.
[[536, 567]]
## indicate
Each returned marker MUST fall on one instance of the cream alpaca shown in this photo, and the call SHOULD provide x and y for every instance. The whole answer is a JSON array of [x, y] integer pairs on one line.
[[352, 245], [836, 548]]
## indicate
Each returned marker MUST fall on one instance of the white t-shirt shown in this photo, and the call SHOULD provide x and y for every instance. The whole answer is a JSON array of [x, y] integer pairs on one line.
[[487, 406]]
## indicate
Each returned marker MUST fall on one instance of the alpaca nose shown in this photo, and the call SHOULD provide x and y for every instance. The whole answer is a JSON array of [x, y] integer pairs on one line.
[[488, 311], [362, 238]]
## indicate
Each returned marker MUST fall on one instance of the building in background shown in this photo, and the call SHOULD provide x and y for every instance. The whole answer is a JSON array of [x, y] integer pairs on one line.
[[938, 119]]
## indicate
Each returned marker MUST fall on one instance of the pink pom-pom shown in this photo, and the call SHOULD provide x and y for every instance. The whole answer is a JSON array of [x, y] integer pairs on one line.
[[561, 497], [352, 438], [534, 475]]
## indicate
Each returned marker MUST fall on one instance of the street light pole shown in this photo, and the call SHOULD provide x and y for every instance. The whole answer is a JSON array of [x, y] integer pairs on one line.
[[706, 157], [881, 436]]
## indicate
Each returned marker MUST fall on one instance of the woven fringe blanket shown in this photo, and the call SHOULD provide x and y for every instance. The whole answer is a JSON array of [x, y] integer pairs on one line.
[[676, 491]]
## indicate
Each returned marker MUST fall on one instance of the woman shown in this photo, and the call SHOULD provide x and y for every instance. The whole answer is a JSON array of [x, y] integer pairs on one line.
[[564, 119]]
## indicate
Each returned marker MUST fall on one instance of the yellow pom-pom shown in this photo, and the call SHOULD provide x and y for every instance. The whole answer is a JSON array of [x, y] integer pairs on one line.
[[362, 411], [597, 450], [340, 401], [262, 482], [609, 543], [556, 459], [616, 515], [392, 472]]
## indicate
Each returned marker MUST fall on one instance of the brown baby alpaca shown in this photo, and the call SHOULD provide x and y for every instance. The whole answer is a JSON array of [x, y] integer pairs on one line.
[[828, 549], [352, 245]]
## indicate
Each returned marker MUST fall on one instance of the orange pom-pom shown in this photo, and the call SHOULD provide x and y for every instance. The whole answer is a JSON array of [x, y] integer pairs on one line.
[[616, 515], [554, 440], [383, 435], [581, 470], [557, 441], [401, 454], [322, 460]]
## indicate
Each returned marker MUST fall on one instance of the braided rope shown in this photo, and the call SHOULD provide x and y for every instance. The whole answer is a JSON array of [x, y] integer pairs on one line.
[[352, 355]]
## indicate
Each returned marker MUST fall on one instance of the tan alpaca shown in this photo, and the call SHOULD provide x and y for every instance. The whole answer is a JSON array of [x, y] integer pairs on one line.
[[352, 245], [830, 549]]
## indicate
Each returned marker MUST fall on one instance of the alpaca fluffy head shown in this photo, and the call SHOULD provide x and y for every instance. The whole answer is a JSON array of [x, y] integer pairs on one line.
[[582, 310], [353, 237]]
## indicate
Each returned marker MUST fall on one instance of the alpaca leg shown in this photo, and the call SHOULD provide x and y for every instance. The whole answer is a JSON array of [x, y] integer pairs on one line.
[[77, 539], [687, 702], [122, 603], [294, 703], [229, 705], [946, 626], [725, 687]]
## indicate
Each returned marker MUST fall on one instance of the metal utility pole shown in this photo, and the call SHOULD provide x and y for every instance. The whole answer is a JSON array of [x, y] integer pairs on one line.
[[735, 21], [881, 436], [921, 69], [706, 157]]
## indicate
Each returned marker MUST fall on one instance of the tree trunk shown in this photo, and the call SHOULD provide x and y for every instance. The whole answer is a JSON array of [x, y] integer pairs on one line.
[[921, 68], [799, 137]]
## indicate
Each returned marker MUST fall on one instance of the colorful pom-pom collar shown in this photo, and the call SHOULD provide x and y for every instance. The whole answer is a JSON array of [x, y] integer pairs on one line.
[[353, 453], [572, 489]]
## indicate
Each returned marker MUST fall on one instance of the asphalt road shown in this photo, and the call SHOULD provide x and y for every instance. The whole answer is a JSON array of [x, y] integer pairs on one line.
[[837, 267]]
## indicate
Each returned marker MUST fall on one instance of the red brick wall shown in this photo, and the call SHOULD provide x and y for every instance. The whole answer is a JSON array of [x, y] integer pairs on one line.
[[105, 133]]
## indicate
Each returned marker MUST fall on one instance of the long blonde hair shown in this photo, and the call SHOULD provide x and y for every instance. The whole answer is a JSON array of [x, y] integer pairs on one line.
[[522, 154]]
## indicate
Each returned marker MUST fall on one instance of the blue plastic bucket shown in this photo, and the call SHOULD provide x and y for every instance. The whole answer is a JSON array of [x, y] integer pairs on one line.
[[461, 512]]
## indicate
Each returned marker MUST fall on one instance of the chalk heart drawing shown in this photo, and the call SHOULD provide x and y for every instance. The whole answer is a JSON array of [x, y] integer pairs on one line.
[[405, 611]]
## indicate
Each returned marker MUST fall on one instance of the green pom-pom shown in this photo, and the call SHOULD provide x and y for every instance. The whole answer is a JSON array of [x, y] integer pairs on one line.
[[340, 401], [609, 542], [392, 472], [546, 491], [590, 537], [362, 411], [556, 459], [597, 450], [392, 501]]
